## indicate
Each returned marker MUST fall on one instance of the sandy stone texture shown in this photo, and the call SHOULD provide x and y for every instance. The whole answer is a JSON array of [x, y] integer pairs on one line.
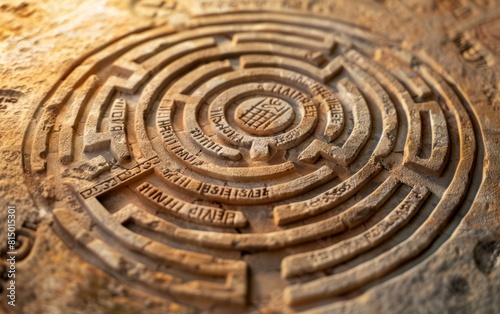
[[252, 156]]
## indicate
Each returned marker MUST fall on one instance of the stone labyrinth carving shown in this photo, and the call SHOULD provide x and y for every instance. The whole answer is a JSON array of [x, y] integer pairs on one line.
[[195, 161]]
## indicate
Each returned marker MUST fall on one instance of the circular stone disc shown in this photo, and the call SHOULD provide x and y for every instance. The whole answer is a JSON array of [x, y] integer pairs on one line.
[[227, 156]]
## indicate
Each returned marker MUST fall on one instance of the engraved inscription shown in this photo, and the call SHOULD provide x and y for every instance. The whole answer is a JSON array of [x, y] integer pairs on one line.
[[8, 97], [120, 178], [197, 213]]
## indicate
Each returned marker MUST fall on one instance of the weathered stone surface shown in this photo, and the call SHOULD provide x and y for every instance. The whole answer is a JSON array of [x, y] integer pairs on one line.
[[250, 156]]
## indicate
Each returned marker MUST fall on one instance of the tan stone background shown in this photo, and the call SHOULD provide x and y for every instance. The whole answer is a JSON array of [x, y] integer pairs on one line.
[[39, 39]]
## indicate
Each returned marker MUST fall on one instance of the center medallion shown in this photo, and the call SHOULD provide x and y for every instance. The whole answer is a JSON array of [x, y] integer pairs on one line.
[[264, 116]]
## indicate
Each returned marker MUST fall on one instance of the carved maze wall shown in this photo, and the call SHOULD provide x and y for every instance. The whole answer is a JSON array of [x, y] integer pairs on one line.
[[192, 162]]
